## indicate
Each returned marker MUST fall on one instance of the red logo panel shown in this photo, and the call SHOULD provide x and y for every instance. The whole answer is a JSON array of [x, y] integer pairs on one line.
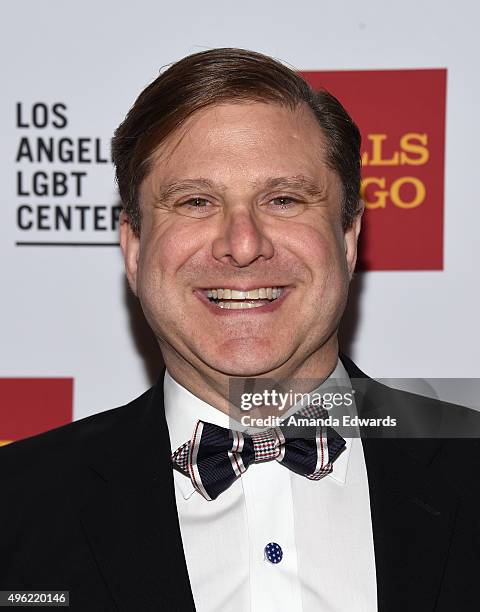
[[30, 406], [401, 114]]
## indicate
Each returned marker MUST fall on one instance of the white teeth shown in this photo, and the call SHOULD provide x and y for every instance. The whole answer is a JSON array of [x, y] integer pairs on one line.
[[261, 294], [238, 305]]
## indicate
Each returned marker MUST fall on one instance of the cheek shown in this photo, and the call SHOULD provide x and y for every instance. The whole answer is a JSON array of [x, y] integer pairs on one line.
[[330, 284], [165, 247], [320, 246]]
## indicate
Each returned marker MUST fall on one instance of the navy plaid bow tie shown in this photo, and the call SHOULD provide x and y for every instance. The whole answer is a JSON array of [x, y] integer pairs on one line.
[[215, 457]]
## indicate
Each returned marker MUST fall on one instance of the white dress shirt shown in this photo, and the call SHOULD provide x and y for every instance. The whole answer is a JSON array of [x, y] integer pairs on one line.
[[323, 528]]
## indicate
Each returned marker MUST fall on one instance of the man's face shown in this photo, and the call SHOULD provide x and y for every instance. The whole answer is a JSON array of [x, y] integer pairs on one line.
[[240, 198]]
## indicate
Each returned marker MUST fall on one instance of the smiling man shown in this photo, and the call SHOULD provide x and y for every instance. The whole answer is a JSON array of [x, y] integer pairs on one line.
[[241, 217], [242, 231]]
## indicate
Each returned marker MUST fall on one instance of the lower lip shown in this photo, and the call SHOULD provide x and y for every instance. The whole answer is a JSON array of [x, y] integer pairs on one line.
[[226, 312]]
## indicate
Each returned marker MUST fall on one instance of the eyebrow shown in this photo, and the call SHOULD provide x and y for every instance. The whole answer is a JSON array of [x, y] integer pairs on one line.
[[171, 189], [301, 182]]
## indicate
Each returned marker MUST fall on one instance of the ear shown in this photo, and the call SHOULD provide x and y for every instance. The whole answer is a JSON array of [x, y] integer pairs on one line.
[[351, 239], [130, 245]]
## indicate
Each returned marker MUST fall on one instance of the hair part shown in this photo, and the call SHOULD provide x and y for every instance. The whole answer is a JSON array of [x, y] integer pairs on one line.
[[220, 76]]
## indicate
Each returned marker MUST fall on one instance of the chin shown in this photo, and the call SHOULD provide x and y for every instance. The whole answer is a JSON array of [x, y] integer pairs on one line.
[[245, 364], [244, 370]]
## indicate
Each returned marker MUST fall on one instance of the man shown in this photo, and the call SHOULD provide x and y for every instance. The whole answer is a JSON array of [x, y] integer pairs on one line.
[[242, 213]]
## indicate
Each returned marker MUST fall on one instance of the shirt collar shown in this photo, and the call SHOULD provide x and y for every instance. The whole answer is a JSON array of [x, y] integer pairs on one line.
[[183, 409]]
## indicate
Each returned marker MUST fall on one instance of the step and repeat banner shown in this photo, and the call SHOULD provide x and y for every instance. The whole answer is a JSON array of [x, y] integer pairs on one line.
[[73, 339]]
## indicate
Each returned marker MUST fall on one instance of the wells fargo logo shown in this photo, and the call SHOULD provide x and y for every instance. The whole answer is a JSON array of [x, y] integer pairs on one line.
[[29, 406], [413, 151], [401, 114]]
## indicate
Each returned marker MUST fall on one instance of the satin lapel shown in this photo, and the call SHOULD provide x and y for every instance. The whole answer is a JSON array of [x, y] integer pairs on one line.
[[412, 507], [130, 515]]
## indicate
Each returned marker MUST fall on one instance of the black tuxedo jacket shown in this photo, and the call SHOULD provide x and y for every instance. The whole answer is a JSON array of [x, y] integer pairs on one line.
[[90, 508]]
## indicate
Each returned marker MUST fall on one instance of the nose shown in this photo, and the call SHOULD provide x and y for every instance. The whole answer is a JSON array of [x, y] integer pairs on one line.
[[241, 239]]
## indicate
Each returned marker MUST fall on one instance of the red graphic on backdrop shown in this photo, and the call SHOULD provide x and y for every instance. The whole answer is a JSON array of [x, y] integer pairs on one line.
[[33, 405], [401, 114]]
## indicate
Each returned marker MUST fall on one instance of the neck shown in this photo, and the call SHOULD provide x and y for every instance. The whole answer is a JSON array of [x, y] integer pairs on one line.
[[214, 387]]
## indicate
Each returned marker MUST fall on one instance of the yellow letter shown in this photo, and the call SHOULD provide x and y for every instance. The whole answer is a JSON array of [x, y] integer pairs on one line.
[[419, 196], [407, 145], [376, 159], [381, 196]]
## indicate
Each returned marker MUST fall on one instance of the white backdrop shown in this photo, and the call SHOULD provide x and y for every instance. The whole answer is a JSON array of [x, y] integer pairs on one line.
[[64, 309]]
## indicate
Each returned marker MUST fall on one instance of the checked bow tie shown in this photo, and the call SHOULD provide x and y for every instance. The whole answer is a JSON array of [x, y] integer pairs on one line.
[[215, 456]]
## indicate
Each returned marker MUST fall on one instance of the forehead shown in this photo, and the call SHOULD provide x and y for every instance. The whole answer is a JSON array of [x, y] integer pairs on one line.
[[253, 138]]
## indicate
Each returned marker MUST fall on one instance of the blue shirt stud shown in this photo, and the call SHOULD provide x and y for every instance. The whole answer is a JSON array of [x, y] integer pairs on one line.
[[273, 552]]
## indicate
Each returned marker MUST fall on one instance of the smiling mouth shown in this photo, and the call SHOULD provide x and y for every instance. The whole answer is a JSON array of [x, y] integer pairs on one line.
[[236, 299]]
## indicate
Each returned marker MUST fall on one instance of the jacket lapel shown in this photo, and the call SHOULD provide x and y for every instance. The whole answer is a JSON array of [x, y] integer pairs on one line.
[[129, 512], [412, 507]]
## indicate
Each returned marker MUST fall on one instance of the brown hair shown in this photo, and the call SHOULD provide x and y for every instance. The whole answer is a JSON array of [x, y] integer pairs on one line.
[[222, 75]]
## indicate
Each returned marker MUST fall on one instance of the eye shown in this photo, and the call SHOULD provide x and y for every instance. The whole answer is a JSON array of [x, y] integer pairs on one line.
[[195, 207], [285, 205], [283, 202], [195, 203]]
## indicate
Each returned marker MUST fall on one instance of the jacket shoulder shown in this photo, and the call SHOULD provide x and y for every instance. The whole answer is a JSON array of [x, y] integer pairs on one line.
[[440, 434], [67, 445]]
